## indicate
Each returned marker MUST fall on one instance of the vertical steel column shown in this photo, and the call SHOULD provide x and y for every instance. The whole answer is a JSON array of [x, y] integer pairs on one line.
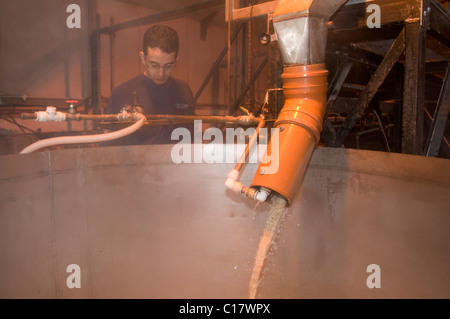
[[398, 115], [329, 133], [229, 102], [413, 88], [111, 54], [86, 48], [243, 58], [235, 68], [249, 58], [66, 64], [274, 71], [439, 119], [95, 67]]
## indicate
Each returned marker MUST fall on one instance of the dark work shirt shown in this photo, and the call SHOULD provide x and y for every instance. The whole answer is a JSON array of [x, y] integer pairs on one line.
[[173, 97]]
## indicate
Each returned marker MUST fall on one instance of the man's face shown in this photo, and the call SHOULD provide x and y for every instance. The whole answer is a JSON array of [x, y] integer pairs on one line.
[[158, 64]]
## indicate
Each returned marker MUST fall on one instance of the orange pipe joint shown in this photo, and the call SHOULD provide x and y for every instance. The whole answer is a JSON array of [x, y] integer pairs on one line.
[[297, 130]]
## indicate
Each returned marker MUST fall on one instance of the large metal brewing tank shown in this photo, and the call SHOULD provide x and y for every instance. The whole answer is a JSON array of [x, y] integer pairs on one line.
[[140, 226]]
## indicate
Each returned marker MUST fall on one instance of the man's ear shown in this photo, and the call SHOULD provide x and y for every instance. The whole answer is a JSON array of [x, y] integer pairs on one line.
[[141, 55]]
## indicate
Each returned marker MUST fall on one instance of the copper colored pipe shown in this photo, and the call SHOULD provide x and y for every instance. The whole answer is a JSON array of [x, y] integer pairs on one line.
[[252, 141], [232, 181], [299, 124], [239, 120]]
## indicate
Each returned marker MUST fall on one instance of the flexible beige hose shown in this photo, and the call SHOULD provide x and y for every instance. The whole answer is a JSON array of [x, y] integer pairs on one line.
[[87, 138]]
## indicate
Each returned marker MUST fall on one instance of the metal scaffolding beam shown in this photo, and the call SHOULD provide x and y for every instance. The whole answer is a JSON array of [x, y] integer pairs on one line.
[[371, 88], [440, 118], [186, 11], [413, 89]]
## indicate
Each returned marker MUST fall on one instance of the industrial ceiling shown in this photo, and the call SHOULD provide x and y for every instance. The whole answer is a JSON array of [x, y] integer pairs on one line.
[[213, 11]]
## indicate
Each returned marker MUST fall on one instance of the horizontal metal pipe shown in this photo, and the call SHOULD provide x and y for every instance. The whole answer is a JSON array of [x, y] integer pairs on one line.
[[76, 117], [242, 120]]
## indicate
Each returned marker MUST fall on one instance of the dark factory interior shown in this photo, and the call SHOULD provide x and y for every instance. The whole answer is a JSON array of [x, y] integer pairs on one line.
[[352, 98], [376, 101]]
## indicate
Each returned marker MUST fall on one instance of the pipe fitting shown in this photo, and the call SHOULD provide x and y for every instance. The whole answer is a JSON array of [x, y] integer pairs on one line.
[[301, 117], [262, 194], [232, 181], [125, 116], [245, 119], [305, 89], [50, 114], [258, 195]]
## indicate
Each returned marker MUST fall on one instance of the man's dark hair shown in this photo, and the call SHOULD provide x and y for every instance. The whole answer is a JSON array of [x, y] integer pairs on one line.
[[162, 37]]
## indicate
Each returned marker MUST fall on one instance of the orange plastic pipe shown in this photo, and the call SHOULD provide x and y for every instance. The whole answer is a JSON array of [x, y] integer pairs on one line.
[[299, 124]]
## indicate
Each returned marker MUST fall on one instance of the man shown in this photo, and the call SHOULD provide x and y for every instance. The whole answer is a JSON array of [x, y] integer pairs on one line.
[[155, 91]]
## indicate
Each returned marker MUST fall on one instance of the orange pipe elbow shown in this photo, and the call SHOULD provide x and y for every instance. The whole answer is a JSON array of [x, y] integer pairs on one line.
[[297, 132]]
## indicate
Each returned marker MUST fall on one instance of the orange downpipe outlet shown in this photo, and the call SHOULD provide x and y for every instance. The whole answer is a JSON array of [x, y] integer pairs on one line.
[[299, 123]]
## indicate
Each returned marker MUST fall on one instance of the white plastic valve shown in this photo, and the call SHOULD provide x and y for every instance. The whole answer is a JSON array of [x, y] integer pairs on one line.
[[50, 114], [262, 194], [232, 177]]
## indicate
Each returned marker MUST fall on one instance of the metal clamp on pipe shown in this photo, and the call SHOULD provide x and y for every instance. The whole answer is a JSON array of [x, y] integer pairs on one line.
[[247, 120]]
